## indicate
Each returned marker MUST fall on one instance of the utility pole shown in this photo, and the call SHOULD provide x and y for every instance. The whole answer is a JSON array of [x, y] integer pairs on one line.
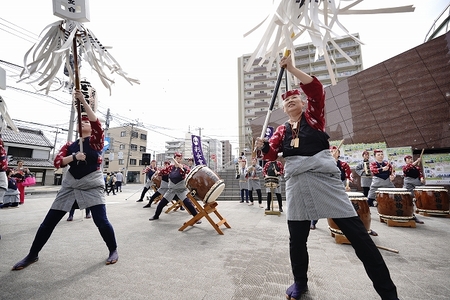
[[71, 123], [54, 145], [108, 115], [199, 131], [129, 152]]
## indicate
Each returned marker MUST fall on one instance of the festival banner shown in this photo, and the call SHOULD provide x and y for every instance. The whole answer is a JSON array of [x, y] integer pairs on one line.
[[436, 168], [352, 153], [197, 150], [269, 132]]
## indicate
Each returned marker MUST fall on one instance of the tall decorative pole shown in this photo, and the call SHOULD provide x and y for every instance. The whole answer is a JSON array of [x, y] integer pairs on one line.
[[66, 36]]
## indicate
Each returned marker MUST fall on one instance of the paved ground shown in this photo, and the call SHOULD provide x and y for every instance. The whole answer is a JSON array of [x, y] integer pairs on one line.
[[250, 261]]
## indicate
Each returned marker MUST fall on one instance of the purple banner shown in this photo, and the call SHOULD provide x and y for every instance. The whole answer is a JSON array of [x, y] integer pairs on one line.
[[269, 132], [199, 159]]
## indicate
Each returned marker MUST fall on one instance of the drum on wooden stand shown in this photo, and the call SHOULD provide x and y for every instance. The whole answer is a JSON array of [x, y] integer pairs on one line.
[[432, 200], [271, 182], [395, 205], [361, 206], [155, 182], [204, 184]]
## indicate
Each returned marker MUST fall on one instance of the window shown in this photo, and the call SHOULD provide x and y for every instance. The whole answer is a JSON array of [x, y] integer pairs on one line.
[[122, 146], [134, 134], [132, 161], [133, 147], [142, 148], [143, 136], [121, 162], [20, 152], [123, 133]]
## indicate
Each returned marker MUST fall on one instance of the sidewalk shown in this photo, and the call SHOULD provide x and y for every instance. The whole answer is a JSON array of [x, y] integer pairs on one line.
[[249, 261], [47, 189]]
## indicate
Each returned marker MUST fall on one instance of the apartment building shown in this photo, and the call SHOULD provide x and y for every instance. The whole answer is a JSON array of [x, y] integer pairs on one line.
[[126, 146]]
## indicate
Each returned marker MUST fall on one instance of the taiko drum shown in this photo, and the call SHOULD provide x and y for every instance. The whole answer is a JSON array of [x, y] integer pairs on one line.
[[204, 184], [362, 209], [395, 204], [432, 200]]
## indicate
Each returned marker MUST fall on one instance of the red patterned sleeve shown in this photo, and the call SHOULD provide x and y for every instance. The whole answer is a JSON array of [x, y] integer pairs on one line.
[[166, 170], [405, 168], [374, 168], [281, 166], [97, 140], [315, 112], [57, 162], [3, 159], [266, 166], [348, 171]]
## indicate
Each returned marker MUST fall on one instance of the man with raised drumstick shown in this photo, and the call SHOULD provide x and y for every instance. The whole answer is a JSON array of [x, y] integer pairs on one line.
[[149, 171], [177, 187], [413, 177], [383, 175], [314, 187], [274, 169], [163, 187]]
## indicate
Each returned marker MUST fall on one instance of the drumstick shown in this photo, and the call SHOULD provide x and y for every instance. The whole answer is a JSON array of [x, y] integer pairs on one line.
[[340, 144], [387, 249], [421, 153], [274, 97]]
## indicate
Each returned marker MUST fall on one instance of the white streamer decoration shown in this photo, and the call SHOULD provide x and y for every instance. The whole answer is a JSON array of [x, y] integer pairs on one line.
[[54, 49], [315, 18]]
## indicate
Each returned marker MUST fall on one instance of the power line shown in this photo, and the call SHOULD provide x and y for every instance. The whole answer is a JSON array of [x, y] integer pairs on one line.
[[35, 36], [39, 124]]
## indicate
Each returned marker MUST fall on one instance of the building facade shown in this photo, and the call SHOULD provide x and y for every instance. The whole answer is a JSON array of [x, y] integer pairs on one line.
[[227, 154], [33, 148], [126, 146], [212, 150], [256, 87]]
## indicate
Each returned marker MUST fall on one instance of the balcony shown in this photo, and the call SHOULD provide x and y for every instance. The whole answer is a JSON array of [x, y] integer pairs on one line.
[[260, 77], [259, 95]]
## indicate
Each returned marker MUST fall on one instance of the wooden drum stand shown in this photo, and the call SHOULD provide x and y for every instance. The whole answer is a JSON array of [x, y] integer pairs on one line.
[[204, 211]]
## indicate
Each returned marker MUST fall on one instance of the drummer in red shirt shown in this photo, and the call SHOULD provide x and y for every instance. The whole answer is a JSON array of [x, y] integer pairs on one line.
[[346, 172], [383, 175], [274, 169], [413, 177], [177, 173]]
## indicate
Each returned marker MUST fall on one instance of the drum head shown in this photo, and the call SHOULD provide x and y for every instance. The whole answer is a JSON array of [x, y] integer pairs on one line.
[[355, 194], [214, 192]]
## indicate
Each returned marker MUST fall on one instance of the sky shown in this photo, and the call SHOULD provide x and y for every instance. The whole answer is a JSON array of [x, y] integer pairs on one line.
[[185, 55]]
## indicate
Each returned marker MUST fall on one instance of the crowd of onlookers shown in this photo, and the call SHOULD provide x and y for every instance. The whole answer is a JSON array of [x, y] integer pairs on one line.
[[113, 182]]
